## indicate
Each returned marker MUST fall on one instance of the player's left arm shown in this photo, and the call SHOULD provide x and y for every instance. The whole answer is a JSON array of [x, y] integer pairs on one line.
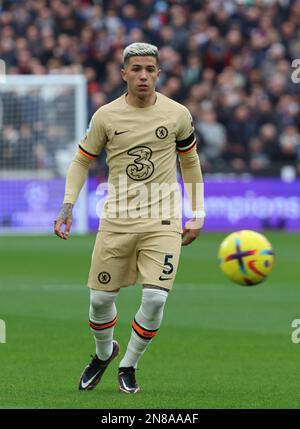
[[186, 146]]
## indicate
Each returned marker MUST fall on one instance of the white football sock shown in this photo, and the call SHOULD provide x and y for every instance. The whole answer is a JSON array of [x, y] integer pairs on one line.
[[103, 317], [145, 325]]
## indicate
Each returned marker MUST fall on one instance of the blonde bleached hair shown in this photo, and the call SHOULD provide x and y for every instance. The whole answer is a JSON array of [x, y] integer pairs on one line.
[[139, 50]]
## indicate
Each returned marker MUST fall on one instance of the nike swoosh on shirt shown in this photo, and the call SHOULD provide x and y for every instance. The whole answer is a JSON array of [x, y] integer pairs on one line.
[[85, 384], [117, 133]]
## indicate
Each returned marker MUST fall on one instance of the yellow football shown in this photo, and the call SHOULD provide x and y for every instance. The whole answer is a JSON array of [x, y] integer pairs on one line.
[[246, 257]]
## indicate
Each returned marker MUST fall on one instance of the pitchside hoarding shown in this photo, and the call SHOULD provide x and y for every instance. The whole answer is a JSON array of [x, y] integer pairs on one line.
[[236, 204], [32, 205], [252, 204], [29, 205]]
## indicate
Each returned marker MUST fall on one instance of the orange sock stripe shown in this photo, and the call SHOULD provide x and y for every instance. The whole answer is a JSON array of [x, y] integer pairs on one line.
[[99, 327], [146, 334]]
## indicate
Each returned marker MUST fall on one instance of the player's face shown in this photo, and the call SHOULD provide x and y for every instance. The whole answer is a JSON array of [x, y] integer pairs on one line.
[[141, 74]]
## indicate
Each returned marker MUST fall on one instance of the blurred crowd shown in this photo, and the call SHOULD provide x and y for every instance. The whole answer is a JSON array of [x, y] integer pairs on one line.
[[36, 126], [228, 61]]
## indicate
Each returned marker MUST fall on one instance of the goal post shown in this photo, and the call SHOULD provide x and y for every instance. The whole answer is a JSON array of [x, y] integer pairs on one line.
[[42, 120]]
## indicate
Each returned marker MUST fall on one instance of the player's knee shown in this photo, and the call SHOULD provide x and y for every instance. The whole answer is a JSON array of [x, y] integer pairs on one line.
[[153, 302], [100, 300]]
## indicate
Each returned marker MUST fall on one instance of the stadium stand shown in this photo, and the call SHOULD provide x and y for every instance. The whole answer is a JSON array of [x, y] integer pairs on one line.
[[228, 61]]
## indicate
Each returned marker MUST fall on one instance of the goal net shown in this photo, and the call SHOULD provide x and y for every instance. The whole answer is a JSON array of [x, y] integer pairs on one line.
[[42, 119]]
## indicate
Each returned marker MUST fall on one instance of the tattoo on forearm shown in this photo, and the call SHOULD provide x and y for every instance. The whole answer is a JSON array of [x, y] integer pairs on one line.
[[65, 211]]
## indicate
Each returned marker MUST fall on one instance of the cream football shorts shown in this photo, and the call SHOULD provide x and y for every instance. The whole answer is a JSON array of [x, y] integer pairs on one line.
[[123, 259]]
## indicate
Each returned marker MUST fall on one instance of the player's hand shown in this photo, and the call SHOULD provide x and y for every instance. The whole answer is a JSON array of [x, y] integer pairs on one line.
[[191, 231], [64, 217]]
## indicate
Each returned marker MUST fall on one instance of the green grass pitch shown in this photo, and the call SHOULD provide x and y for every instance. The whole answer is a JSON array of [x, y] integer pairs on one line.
[[220, 345]]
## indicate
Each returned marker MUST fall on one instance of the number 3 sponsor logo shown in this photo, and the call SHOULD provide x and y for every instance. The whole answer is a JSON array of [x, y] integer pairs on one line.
[[142, 168]]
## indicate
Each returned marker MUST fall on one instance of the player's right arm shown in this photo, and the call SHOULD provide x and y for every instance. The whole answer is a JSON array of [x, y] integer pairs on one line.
[[89, 149], [76, 177]]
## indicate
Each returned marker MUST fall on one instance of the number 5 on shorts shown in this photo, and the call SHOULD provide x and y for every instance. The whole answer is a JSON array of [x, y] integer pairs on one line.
[[169, 268], [168, 264]]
